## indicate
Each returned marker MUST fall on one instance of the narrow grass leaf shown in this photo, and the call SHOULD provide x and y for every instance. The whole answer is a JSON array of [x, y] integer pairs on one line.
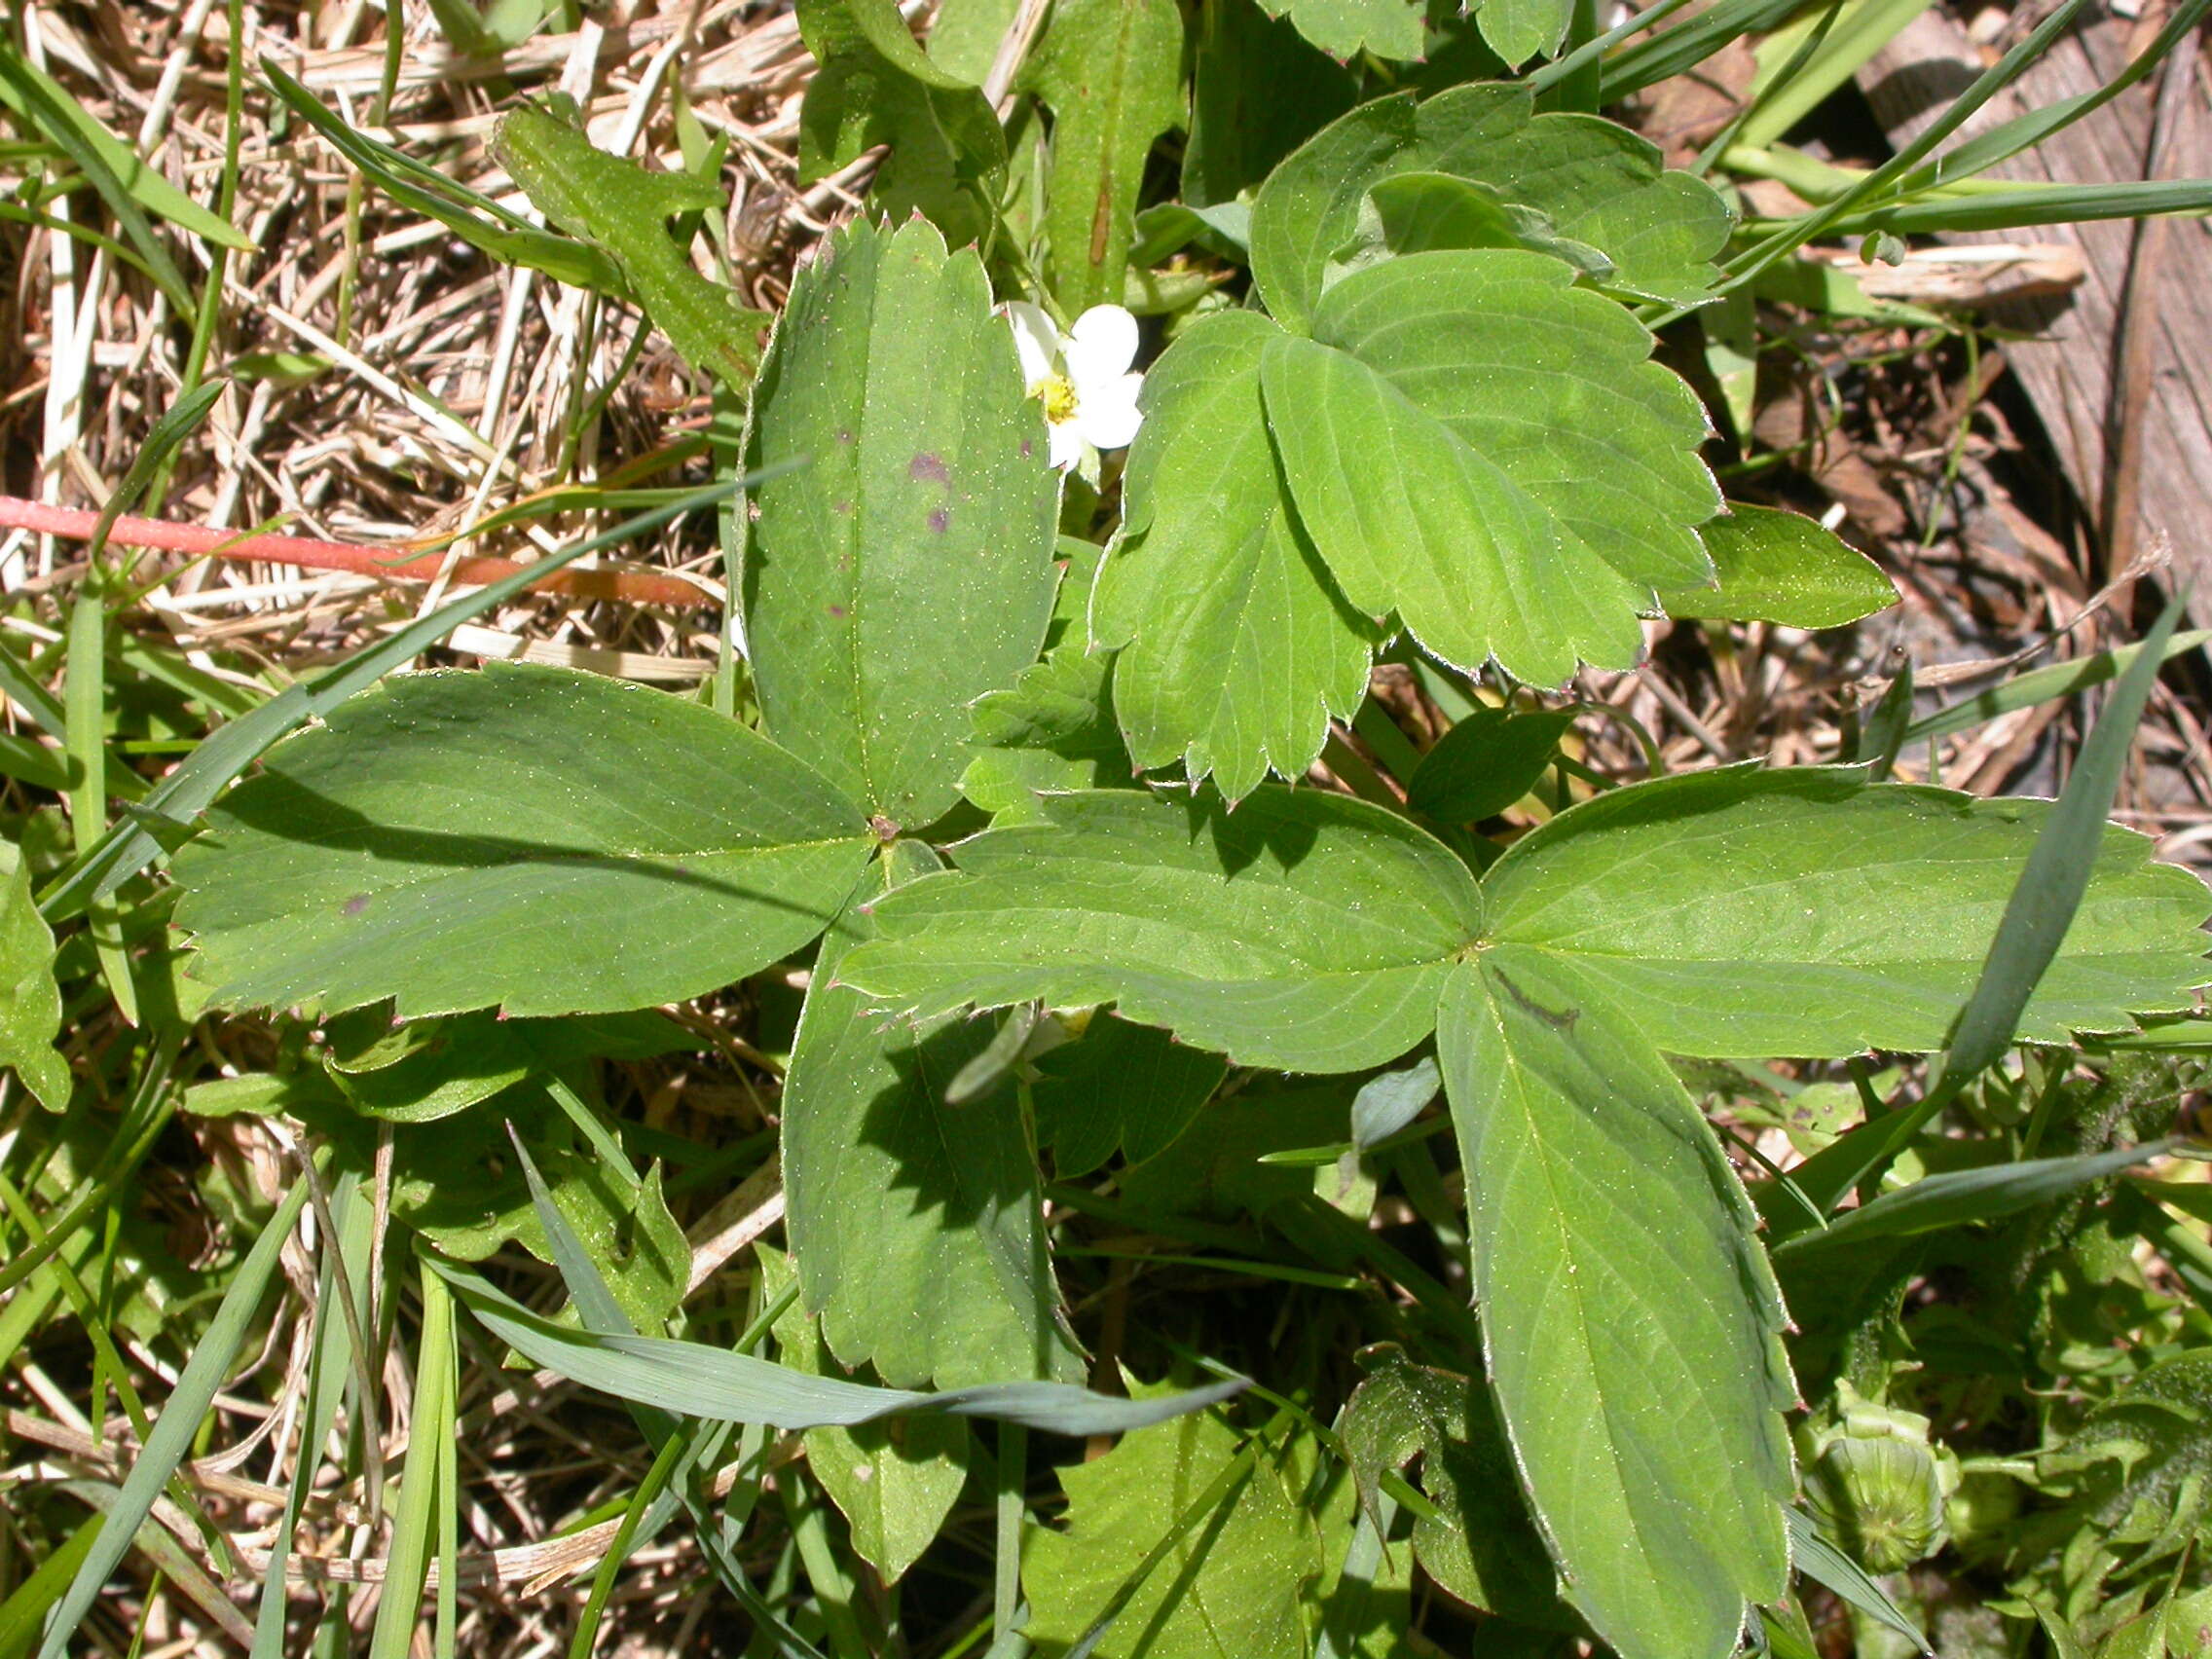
[[407, 1559], [2044, 685], [1958, 1198], [695, 1380], [179, 1423], [1828, 1567], [25, 1610], [2016, 210]]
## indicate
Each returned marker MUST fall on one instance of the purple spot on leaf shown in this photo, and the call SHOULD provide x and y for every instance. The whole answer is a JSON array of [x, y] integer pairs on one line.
[[939, 520], [928, 466], [836, 611], [1028, 449], [355, 906]]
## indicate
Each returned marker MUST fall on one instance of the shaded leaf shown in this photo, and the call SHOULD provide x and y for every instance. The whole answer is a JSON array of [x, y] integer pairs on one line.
[[418, 848], [1119, 1087], [1597, 183], [428, 1069], [623, 210], [1236, 647], [1779, 567], [876, 86], [1304, 931], [1257, 90], [1235, 1583], [30, 1002], [1485, 762], [1487, 450], [1111, 71], [1865, 927], [1632, 1326], [895, 1480], [1429, 212], [914, 1224], [908, 567], [1052, 729], [1480, 1544]]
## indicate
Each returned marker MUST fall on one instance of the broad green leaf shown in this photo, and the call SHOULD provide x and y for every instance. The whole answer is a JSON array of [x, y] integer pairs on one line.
[[30, 1003], [915, 1224], [1518, 30], [624, 211], [908, 567], [1597, 183], [1632, 1325], [1111, 71], [1486, 763], [1257, 90], [1236, 647], [1487, 450], [418, 847], [1304, 930], [895, 1480], [876, 86], [1778, 567], [1480, 1544], [476, 219], [1745, 913], [1237, 1573], [965, 35], [697, 1379], [1428, 212], [1119, 1087], [1345, 28]]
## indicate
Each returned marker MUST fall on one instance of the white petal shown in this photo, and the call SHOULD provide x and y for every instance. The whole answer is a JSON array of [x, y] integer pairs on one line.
[[1035, 341], [1107, 414], [1100, 347], [1064, 443]]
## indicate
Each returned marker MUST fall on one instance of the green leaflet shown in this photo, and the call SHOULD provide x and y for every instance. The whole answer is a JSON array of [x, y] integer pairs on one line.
[[419, 848], [1631, 1323], [1233, 1585], [1428, 212], [1111, 71], [906, 568], [1778, 567], [1518, 30], [1597, 183], [1304, 930], [1345, 28], [30, 1003], [1539, 476], [1485, 762], [896, 1481], [1236, 647], [875, 85], [623, 210], [915, 1224], [1745, 913]]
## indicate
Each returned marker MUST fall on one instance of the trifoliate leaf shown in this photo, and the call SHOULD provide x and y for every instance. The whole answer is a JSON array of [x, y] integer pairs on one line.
[[1487, 450], [906, 567], [1778, 567], [1632, 1324], [1744, 913], [1595, 184], [1304, 930], [420, 847], [1236, 647]]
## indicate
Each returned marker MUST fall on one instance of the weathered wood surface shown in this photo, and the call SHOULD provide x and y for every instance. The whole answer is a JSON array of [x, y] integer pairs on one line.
[[2071, 368]]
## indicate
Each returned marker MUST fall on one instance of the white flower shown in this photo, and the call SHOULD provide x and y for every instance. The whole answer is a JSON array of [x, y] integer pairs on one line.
[[1084, 379]]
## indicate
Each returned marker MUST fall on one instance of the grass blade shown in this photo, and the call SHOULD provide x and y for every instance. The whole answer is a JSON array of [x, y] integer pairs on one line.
[[1826, 1565], [179, 1424]]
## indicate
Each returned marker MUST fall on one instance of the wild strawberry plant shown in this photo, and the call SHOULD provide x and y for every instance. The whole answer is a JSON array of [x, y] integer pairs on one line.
[[1029, 754]]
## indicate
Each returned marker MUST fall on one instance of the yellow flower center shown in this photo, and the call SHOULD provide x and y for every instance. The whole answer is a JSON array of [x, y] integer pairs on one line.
[[1058, 394]]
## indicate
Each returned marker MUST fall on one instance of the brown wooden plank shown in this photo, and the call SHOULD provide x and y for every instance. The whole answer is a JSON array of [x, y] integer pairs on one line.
[[2069, 370]]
